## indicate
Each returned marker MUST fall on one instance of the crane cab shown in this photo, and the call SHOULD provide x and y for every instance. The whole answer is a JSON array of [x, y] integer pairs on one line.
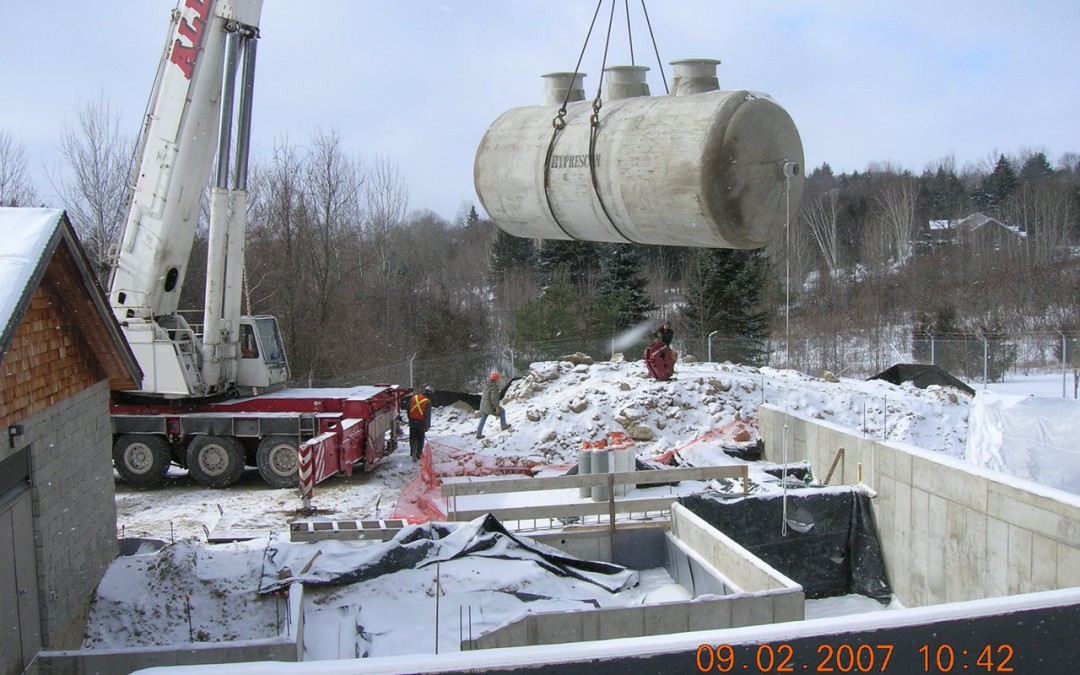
[[262, 361]]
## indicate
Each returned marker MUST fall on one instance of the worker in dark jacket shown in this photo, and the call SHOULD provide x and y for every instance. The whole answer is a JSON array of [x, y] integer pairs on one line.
[[665, 333], [418, 410]]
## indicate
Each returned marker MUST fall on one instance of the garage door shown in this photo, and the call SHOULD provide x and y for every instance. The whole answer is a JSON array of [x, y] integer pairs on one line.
[[20, 623]]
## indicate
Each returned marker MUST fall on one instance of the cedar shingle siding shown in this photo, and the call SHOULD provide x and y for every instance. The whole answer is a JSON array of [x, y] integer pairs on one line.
[[48, 360]]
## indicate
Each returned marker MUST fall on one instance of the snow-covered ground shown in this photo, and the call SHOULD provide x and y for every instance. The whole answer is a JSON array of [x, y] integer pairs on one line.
[[557, 406]]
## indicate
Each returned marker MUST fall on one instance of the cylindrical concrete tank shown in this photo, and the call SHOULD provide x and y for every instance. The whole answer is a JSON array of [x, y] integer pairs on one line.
[[703, 169], [585, 468]]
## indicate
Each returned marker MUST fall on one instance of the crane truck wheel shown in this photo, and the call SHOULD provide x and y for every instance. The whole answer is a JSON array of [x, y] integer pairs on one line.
[[141, 459], [277, 459], [215, 461]]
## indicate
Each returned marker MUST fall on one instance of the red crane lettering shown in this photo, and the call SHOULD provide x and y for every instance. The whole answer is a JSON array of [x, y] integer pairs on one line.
[[183, 55]]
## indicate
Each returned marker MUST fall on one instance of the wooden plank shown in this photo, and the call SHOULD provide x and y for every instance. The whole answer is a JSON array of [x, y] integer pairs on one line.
[[488, 487], [546, 511]]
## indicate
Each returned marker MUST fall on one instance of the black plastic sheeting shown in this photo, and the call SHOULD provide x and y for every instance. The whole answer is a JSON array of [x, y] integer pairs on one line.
[[830, 547], [922, 376], [424, 545]]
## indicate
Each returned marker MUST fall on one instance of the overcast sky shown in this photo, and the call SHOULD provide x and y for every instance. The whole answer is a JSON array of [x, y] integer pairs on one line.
[[418, 82]]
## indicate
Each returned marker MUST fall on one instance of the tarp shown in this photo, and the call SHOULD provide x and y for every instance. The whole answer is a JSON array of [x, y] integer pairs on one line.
[[922, 376], [1027, 437], [417, 546], [421, 500], [830, 546]]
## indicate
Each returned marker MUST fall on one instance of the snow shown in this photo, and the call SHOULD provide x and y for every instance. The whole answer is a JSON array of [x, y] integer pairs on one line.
[[26, 233], [553, 409]]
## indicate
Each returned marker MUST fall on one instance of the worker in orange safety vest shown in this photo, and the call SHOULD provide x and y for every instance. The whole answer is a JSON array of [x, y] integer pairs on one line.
[[419, 414]]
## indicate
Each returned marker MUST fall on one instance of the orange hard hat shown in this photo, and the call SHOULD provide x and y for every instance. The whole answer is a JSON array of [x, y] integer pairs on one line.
[[493, 377]]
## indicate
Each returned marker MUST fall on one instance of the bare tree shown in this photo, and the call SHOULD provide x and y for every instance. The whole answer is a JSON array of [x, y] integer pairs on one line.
[[385, 203], [821, 219], [16, 188], [1045, 212], [94, 190], [896, 202], [331, 207]]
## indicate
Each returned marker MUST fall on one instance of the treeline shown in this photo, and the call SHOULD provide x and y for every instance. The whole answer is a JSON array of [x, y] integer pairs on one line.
[[357, 277]]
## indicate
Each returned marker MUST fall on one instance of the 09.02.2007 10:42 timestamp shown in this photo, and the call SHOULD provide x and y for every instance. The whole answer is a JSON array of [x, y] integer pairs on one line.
[[852, 658]]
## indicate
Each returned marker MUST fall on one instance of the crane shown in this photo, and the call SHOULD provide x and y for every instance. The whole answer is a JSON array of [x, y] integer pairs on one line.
[[212, 399], [205, 79]]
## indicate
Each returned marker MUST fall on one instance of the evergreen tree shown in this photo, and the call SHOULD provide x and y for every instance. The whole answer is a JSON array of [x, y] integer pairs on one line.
[[941, 195], [621, 285], [998, 186], [724, 292], [1036, 169], [562, 312], [573, 260], [509, 253]]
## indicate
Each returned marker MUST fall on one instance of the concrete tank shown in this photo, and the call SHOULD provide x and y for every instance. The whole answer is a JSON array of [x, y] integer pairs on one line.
[[702, 167]]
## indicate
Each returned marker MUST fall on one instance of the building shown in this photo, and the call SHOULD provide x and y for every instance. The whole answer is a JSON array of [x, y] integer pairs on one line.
[[61, 351], [978, 231]]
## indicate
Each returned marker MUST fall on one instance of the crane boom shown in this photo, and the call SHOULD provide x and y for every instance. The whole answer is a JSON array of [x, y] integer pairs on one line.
[[206, 74]]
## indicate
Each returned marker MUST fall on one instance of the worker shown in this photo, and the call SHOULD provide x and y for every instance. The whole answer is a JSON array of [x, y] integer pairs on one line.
[[491, 404], [419, 413], [665, 333]]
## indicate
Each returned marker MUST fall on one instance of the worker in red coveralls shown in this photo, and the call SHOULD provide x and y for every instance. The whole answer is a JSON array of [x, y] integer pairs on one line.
[[418, 410], [659, 357]]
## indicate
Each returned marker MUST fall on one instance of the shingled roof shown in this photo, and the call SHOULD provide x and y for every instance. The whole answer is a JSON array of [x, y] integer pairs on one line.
[[39, 242]]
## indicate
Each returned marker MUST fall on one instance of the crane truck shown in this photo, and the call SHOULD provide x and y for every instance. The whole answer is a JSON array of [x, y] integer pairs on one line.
[[214, 397]]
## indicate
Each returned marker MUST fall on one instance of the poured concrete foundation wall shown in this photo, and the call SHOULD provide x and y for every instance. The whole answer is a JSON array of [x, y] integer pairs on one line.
[[286, 648], [694, 564], [748, 572], [949, 531]]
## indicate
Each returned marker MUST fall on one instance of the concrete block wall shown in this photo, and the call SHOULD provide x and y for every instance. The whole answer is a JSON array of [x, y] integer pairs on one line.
[[74, 508], [949, 531]]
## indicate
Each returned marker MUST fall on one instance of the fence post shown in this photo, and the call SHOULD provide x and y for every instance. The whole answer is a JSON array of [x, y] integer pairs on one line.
[[710, 345], [412, 385], [986, 359], [931, 336], [1063, 362]]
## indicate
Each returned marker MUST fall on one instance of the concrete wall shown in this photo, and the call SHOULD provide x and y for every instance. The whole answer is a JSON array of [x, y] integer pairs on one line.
[[285, 648], [949, 531], [120, 661], [694, 564], [74, 508], [748, 572]]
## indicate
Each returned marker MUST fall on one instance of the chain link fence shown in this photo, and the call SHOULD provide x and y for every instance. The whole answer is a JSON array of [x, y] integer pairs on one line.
[[976, 358]]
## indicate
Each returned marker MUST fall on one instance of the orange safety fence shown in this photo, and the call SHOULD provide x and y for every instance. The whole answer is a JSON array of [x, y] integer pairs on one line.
[[738, 431], [421, 502]]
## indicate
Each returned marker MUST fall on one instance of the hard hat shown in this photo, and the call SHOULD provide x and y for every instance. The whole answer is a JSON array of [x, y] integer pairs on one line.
[[494, 377], [428, 390]]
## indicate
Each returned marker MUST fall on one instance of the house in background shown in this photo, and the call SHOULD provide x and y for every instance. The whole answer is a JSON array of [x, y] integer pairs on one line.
[[61, 351], [978, 231]]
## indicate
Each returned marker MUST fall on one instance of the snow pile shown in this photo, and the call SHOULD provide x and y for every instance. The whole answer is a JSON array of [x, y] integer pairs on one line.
[[1032, 438], [187, 592], [559, 405]]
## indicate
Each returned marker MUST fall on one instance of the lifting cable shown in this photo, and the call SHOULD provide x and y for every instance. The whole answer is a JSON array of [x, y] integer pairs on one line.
[[656, 50], [559, 121], [594, 127]]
